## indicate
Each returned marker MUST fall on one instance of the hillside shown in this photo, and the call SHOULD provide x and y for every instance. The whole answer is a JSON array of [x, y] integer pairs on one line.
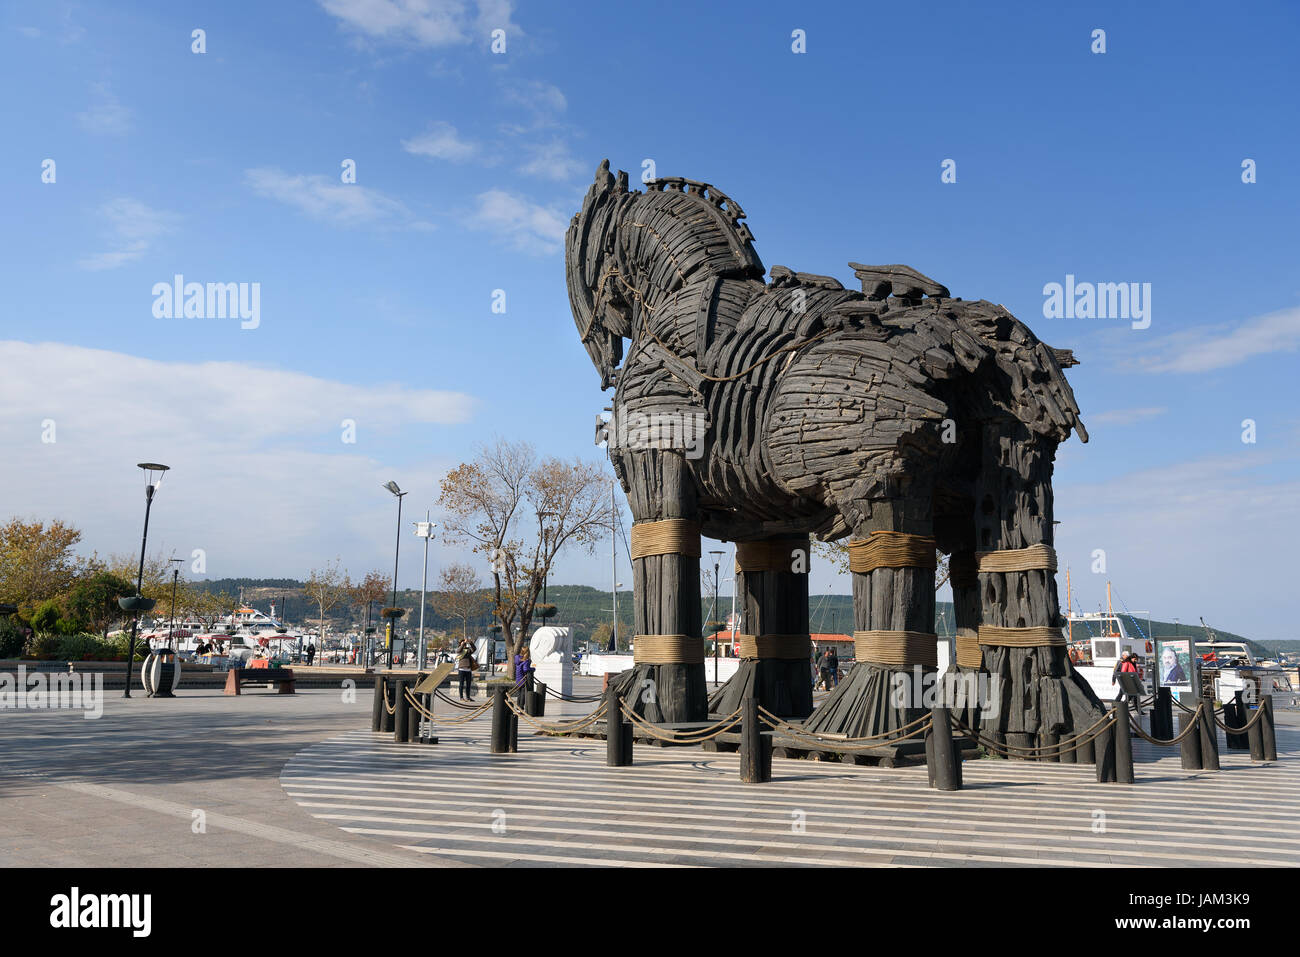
[[583, 608]]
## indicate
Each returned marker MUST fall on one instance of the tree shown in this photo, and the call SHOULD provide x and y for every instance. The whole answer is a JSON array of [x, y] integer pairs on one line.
[[600, 635], [92, 600], [490, 504], [36, 560], [372, 588], [327, 587], [462, 594]]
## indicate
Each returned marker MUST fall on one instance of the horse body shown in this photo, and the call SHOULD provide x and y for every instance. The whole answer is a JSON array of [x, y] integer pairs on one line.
[[896, 409]]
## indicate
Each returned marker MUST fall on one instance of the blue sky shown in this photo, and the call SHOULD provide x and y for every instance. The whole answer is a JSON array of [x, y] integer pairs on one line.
[[1122, 166]]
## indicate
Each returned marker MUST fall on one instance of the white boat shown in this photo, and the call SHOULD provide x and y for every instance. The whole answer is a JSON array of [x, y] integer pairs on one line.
[[241, 635], [1232, 668]]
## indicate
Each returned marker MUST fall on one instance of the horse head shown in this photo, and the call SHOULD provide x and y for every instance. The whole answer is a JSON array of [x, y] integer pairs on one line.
[[619, 266]]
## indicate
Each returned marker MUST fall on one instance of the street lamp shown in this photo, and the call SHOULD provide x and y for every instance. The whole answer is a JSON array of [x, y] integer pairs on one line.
[[137, 603], [392, 622], [546, 534], [171, 622], [423, 530], [717, 564]]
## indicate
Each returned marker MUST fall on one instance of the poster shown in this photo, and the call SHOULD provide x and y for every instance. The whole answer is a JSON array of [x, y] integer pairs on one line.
[[1174, 667]]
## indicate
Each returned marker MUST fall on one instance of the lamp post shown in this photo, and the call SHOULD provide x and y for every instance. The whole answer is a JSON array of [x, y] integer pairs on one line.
[[423, 530], [717, 564], [171, 621], [392, 622], [138, 603]]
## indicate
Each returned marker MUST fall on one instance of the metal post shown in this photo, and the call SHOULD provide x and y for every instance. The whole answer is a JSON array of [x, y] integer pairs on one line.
[[1123, 744], [943, 760], [1209, 737], [139, 583], [1269, 728], [1191, 746], [1255, 733], [412, 722], [424, 582]]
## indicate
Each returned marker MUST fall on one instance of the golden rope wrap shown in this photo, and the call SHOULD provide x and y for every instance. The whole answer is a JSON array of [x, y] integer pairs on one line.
[[896, 648], [1034, 637], [963, 570], [668, 650], [672, 536], [771, 555], [891, 550], [1031, 559], [968, 648], [781, 647]]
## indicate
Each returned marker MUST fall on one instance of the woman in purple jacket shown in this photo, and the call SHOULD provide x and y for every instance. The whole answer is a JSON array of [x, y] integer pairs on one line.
[[523, 665]]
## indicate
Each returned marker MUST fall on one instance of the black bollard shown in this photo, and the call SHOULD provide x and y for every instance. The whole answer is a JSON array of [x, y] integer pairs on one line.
[[755, 746], [500, 737], [377, 710], [413, 718], [1255, 733], [1123, 744], [537, 708], [1209, 737], [943, 759], [1087, 749], [1162, 715], [618, 732], [1191, 745], [1105, 744], [401, 721], [387, 720], [1235, 715], [1269, 729]]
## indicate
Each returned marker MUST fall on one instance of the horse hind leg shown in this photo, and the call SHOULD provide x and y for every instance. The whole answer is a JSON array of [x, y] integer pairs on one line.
[[772, 597]]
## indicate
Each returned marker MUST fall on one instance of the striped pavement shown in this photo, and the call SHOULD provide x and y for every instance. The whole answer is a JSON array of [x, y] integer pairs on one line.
[[556, 804]]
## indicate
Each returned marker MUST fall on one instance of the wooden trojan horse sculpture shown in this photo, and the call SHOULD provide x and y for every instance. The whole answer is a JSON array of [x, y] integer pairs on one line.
[[899, 416]]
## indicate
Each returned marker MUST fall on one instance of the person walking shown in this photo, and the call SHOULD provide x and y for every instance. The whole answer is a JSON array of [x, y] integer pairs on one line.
[[465, 667], [833, 665], [824, 669], [311, 654]]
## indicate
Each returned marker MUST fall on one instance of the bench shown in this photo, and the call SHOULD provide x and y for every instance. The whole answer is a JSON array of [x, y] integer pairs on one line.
[[239, 678]]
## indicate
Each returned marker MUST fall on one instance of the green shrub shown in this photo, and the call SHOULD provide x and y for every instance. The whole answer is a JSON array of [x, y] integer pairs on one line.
[[12, 638], [84, 647], [46, 616], [42, 645]]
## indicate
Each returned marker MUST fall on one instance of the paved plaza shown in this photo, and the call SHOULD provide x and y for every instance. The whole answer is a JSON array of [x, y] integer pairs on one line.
[[300, 780]]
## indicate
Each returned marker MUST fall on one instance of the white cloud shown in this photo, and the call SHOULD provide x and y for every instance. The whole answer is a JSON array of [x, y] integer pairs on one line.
[[106, 114], [1206, 348], [552, 160], [525, 225], [326, 199], [441, 141], [31, 33], [131, 227], [543, 101], [1125, 416], [424, 23], [260, 477], [1212, 537]]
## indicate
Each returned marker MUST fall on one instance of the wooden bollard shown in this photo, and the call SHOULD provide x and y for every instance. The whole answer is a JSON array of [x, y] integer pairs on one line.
[[1191, 745], [377, 710], [1269, 729], [1123, 744], [1235, 715], [500, 737], [1255, 733], [537, 708], [755, 746], [942, 757], [401, 713], [413, 718], [618, 732], [1209, 737], [1105, 744]]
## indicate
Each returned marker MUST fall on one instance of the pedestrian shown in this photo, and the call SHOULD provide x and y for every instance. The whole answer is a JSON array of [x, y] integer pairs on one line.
[[824, 669], [465, 667], [833, 664], [311, 654], [523, 664]]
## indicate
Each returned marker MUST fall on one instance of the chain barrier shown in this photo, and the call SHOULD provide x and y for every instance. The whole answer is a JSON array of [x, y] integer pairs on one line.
[[698, 736], [919, 727], [1192, 725], [563, 727], [1049, 751], [581, 699]]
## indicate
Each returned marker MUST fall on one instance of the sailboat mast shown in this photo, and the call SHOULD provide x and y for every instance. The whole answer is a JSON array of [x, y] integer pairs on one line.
[[613, 559]]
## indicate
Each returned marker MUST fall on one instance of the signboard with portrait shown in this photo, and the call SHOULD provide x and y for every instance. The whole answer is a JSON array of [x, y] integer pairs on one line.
[[1175, 669]]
